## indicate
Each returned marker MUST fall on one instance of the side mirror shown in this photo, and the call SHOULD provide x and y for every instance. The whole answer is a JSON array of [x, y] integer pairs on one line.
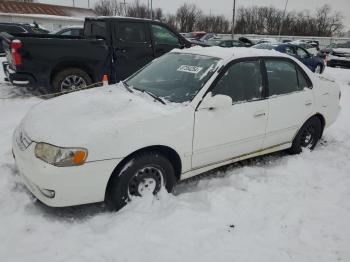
[[218, 101]]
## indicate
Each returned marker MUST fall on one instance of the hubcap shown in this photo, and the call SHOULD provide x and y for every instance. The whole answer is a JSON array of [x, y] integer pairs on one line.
[[72, 82], [146, 181], [307, 139]]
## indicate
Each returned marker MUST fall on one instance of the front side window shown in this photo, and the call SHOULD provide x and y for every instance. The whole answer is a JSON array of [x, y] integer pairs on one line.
[[282, 77], [176, 77], [242, 82], [132, 32], [163, 36]]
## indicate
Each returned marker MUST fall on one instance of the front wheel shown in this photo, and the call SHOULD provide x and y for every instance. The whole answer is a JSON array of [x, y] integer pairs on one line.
[[143, 175], [308, 136]]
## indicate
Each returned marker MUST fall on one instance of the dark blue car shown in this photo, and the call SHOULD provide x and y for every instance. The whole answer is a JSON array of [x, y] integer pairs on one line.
[[315, 63]]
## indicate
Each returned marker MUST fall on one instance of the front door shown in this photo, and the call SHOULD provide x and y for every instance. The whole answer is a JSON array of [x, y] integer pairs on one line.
[[132, 48], [224, 133]]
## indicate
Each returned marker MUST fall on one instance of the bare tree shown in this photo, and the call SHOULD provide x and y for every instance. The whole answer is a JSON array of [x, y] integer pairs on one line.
[[187, 15], [108, 8]]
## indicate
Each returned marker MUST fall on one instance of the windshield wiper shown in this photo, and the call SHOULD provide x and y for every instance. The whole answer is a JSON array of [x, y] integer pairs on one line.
[[127, 87], [151, 94]]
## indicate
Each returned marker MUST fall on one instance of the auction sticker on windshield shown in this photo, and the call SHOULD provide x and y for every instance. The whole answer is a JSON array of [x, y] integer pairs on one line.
[[190, 69]]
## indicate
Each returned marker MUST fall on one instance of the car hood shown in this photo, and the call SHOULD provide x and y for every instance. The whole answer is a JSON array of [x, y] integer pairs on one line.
[[77, 118]]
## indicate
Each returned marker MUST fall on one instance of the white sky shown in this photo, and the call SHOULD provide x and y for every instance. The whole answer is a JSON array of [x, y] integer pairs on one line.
[[225, 6]]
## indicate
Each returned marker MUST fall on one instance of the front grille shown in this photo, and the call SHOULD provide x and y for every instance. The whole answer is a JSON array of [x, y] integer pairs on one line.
[[22, 140]]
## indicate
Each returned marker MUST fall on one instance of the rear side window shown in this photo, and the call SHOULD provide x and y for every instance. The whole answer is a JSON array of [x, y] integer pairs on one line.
[[131, 32], [95, 29], [301, 52], [282, 77], [303, 82], [242, 82], [12, 29]]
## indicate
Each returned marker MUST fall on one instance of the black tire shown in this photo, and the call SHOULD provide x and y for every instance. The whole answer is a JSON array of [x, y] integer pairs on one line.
[[308, 136], [128, 181], [66, 73]]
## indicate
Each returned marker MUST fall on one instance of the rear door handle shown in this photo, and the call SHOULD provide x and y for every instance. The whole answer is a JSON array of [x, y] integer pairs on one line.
[[259, 114], [308, 103]]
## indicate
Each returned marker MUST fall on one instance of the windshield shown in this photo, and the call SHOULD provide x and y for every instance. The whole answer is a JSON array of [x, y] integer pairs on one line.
[[174, 76]]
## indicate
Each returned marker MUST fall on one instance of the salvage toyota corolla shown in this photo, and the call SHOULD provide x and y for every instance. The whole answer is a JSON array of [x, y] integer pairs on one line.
[[186, 112]]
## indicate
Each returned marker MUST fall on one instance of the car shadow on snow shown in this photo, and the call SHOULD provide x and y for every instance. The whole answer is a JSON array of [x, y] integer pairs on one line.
[[84, 212], [9, 91]]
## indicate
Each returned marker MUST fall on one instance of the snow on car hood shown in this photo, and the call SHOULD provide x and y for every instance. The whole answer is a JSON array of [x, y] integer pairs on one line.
[[73, 119]]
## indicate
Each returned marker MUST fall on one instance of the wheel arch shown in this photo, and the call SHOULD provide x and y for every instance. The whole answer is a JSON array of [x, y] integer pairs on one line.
[[71, 64], [322, 119], [166, 151]]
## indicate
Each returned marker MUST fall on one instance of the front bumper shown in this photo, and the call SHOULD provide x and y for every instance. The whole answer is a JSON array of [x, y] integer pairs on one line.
[[18, 79], [75, 185]]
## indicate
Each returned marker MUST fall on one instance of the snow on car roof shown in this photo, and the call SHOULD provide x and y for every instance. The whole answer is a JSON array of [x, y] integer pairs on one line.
[[229, 53]]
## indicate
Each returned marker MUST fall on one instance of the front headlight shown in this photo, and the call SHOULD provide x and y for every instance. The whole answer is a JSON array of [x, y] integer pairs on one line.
[[59, 156]]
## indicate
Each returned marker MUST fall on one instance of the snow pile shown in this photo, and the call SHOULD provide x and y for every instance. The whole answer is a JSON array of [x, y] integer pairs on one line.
[[275, 208]]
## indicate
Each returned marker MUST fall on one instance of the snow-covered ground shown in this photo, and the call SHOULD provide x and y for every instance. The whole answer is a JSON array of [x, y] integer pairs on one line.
[[275, 208]]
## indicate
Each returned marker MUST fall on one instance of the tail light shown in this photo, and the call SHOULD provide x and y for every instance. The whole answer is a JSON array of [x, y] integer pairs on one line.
[[16, 56]]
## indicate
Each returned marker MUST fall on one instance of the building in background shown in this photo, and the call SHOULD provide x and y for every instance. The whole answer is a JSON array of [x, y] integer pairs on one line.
[[51, 17]]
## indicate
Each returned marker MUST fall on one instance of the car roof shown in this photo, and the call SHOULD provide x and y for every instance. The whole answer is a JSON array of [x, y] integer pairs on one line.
[[229, 53]]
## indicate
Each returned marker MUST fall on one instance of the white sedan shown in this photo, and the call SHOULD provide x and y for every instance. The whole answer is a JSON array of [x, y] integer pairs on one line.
[[187, 112]]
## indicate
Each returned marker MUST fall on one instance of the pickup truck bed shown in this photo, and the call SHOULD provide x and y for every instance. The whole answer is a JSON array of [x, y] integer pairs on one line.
[[44, 55], [112, 46]]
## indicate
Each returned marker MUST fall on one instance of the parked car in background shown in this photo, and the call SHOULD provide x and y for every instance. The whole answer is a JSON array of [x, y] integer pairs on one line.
[[227, 43], [161, 125], [337, 55], [194, 35], [314, 63], [14, 28], [209, 36], [312, 49], [113, 46], [266, 40], [72, 30]]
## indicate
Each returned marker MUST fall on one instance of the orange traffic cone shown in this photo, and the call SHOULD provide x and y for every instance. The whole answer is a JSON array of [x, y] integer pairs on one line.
[[105, 80]]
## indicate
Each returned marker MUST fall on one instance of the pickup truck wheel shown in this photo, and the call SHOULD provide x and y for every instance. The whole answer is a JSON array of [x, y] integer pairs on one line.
[[143, 175], [70, 79]]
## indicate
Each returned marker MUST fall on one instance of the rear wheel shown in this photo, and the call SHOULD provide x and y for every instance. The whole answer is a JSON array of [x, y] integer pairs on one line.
[[143, 175], [70, 79], [308, 136]]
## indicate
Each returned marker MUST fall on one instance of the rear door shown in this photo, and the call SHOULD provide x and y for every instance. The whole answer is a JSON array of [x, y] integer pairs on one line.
[[164, 40], [132, 47], [290, 100]]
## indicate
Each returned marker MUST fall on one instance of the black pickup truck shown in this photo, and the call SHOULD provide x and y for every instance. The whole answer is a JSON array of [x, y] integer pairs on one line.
[[113, 46]]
